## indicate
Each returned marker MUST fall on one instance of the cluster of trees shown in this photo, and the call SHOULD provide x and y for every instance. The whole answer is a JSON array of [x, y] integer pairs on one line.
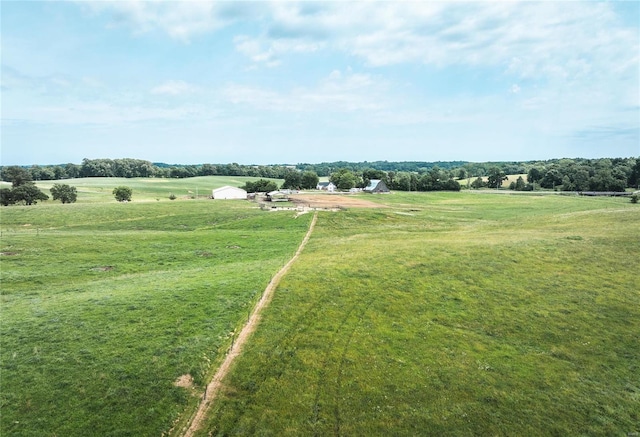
[[587, 175], [260, 186], [22, 190], [436, 179]]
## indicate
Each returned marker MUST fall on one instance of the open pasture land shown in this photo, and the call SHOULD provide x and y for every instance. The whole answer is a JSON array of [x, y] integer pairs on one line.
[[106, 305], [100, 189], [450, 314]]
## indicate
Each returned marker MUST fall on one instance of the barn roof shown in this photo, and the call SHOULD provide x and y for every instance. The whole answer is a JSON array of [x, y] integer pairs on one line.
[[227, 187]]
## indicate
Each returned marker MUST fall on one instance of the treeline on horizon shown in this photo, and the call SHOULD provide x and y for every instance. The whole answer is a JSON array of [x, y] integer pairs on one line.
[[567, 174]]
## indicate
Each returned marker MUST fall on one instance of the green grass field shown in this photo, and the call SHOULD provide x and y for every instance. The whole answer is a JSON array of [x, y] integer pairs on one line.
[[451, 314], [105, 305], [98, 190], [436, 314]]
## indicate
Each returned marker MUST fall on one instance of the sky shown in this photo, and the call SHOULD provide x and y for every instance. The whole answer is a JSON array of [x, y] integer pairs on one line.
[[306, 82]]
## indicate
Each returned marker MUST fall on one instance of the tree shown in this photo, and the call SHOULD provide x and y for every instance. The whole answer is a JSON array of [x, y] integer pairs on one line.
[[292, 179], [478, 183], [260, 186], [309, 180], [343, 179], [28, 193], [64, 192], [634, 176], [495, 177], [16, 175], [122, 194], [534, 176], [6, 197]]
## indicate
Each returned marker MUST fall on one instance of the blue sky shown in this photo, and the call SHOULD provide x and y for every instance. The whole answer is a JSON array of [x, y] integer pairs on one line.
[[290, 82]]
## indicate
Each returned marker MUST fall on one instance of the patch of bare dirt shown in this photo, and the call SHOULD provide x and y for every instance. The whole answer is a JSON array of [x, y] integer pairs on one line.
[[332, 201], [185, 381], [8, 253]]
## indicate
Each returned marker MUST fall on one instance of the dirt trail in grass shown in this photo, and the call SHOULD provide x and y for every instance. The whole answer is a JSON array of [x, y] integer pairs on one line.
[[214, 386]]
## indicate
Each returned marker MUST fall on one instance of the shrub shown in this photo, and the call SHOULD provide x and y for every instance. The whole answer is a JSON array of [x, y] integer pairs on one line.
[[122, 194]]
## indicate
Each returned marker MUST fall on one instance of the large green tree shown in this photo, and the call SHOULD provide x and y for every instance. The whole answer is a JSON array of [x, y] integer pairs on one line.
[[495, 177], [343, 179], [63, 192], [309, 180], [292, 179], [122, 193], [28, 193], [260, 186], [16, 175]]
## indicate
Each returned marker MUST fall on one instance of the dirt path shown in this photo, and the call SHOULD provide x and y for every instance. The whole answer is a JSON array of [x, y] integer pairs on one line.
[[215, 384]]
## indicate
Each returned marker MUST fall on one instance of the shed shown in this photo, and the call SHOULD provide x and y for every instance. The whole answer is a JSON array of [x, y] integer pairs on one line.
[[376, 186], [278, 196], [228, 192]]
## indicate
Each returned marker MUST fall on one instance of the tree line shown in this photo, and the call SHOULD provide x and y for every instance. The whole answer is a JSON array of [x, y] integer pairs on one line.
[[605, 174], [138, 168]]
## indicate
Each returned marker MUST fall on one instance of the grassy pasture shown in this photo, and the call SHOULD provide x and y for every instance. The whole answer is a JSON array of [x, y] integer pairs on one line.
[[144, 189], [105, 305], [451, 314]]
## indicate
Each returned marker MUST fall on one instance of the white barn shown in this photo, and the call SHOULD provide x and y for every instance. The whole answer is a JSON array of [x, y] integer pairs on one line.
[[227, 192]]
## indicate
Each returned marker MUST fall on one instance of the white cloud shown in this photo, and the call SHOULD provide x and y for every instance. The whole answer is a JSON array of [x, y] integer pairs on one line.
[[173, 88], [339, 91], [181, 20]]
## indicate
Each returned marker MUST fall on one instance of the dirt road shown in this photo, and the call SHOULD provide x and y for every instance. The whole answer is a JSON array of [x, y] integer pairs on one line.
[[333, 201], [214, 386]]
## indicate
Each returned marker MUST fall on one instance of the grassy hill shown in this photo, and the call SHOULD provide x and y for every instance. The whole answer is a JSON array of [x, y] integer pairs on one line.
[[106, 305], [451, 314], [437, 313]]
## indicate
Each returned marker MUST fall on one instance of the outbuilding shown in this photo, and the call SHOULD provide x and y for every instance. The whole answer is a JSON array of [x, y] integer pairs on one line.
[[227, 193], [376, 186]]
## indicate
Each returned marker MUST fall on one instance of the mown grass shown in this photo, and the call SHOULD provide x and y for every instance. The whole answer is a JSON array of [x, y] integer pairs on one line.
[[105, 305], [451, 314]]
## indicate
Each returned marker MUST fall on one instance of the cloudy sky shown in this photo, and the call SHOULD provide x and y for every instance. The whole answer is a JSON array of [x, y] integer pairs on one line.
[[290, 82]]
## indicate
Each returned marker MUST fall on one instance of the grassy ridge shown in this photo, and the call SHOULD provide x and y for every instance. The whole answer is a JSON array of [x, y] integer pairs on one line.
[[105, 305], [451, 314]]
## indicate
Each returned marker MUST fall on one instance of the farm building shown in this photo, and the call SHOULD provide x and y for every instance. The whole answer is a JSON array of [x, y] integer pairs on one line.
[[326, 186], [228, 192], [376, 186], [278, 196]]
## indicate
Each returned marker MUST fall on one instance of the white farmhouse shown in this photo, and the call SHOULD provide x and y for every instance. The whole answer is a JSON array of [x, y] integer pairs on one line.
[[326, 186], [228, 192]]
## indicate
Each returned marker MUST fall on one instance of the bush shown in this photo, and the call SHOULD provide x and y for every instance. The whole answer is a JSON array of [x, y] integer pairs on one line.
[[172, 196], [122, 194], [64, 193], [634, 198]]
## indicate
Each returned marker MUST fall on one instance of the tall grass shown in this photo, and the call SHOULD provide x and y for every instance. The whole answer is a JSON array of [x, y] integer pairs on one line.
[[451, 314], [105, 305]]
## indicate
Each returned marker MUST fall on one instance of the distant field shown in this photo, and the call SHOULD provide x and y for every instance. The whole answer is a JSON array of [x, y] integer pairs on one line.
[[144, 189], [438, 314], [451, 314], [106, 305]]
